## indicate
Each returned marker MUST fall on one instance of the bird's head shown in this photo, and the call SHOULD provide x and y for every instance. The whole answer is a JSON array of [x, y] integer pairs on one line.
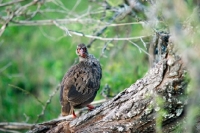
[[81, 51]]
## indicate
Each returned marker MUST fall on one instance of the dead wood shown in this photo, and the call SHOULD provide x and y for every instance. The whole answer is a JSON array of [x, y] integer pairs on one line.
[[159, 95]]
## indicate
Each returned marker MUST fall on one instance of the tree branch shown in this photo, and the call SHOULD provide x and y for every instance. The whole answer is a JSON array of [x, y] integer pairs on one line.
[[15, 125], [156, 99], [11, 3]]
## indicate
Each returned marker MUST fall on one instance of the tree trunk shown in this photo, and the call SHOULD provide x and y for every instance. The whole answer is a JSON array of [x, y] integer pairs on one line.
[[154, 103]]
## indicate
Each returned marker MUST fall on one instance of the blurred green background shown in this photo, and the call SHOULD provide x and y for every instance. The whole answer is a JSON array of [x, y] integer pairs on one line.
[[35, 58]]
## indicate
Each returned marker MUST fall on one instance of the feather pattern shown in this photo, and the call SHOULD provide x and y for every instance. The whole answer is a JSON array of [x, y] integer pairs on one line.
[[80, 84]]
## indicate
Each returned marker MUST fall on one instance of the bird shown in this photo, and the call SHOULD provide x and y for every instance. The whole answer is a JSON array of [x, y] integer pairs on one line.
[[81, 82]]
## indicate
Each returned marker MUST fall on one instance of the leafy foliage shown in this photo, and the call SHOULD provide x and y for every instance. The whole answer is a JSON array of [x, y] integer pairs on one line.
[[36, 58]]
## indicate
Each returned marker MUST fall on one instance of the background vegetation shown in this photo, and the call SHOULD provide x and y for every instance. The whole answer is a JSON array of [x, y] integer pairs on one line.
[[35, 58], [38, 40]]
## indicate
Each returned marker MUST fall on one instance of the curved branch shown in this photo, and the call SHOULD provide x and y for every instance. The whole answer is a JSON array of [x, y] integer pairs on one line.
[[149, 105]]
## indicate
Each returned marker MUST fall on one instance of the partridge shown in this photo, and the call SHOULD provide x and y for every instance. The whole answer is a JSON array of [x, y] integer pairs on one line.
[[80, 84]]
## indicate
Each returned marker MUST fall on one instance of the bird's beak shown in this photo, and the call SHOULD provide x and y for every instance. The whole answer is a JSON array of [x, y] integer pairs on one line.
[[82, 53]]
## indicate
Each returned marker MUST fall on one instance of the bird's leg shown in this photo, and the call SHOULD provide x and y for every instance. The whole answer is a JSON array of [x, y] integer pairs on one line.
[[90, 107], [73, 114]]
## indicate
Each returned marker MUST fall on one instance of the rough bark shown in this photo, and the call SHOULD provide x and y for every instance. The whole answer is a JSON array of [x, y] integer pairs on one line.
[[158, 96]]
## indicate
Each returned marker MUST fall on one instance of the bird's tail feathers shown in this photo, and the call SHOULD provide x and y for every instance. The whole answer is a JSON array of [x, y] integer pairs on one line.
[[66, 109]]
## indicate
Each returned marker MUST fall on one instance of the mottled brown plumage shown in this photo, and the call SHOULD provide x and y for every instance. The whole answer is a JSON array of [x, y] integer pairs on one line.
[[81, 83]]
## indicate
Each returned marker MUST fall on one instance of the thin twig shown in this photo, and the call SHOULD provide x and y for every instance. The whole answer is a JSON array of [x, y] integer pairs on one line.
[[11, 16], [143, 43], [63, 28], [104, 48], [11, 3], [53, 38], [21, 9], [140, 49], [46, 104], [106, 39], [5, 24], [5, 67], [60, 4], [50, 22], [66, 21], [103, 29], [15, 125], [26, 92], [35, 12], [95, 37], [8, 131], [125, 24], [75, 6]]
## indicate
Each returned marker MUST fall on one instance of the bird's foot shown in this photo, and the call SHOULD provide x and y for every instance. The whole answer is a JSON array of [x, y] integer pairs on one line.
[[90, 107], [73, 115]]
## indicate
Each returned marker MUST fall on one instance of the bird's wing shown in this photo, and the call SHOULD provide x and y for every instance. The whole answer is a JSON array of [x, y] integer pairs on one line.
[[81, 83]]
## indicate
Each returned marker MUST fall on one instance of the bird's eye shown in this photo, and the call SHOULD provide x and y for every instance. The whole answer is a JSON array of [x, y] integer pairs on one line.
[[84, 49]]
